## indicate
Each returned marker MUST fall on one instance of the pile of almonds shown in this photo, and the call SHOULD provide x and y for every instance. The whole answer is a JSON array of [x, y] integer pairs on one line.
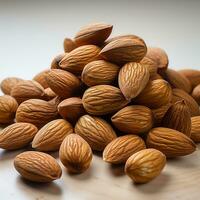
[[116, 96]]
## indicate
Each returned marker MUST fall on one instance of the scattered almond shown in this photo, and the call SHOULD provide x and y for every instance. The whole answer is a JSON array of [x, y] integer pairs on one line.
[[40, 78], [68, 45], [55, 62]]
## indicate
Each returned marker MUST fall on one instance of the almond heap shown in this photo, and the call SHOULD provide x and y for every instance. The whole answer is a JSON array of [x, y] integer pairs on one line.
[[114, 95]]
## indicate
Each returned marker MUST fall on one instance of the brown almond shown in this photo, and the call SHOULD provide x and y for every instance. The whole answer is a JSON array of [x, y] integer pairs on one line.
[[40, 78], [68, 45], [196, 94], [55, 62], [195, 129], [49, 93], [155, 77]]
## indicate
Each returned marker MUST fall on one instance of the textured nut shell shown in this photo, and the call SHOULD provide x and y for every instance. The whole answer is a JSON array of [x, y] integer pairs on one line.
[[121, 148], [50, 136], [75, 154], [195, 130], [62, 83], [103, 99], [55, 62], [196, 94], [40, 78], [155, 77], [37, 166], [99, 72], [49, 93], [145, 165], [17, 135], [8, 107], [76, 60], [96, 131], [170, 142], [68, 45], [133, 77]]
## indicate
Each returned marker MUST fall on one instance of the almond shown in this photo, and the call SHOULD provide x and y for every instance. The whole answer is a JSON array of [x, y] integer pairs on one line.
[[8, 83], [156, 94], [133, 119], [96, 131], [50, 136], [195, 130], [76, 60], [155, 77], [178, 117], [95, 33], [49, 93], [99, 72], [17, 135], [37, 166], [55, 62], [103, 99], [68, 45], [196, 94], [40, 78], [133, 77], [170, 142], [75, 154], [145, 165], [62, 83], [124, 50], [8, 107], [121, 148]]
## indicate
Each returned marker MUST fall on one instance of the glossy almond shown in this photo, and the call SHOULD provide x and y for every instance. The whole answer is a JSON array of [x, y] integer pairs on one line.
[[145, 165], [99, 72], [196, 94], [195, 129], [133, 77], [56, 60], [76, 60], [17, 135], [37, 166], [96, 131], [170, 142], [75, 154], [103, 99], [40, 78], [121, 148], [133, 119], [68, 45]]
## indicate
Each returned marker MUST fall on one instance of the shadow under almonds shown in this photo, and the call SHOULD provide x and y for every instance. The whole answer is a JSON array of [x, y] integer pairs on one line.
[[116, 170]]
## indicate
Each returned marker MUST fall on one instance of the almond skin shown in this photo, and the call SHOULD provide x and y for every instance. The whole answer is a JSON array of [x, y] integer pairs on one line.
[[96, 131], [40, 78], [8, 107], [55, 62], [49, 93], [156, 94], [178, 117], [133, 77], [68, 45], [7, 84], [95, 33], [99, 72], [37, 166], [145, 165], [63, 83], [133, 119], [124, 50], [97, 100], [195, 130], [76, 60], [170, 142], [17, 135], [75, 154], [196, 94], [121, 148]]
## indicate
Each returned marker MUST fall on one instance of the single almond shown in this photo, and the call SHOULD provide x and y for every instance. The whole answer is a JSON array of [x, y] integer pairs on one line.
[[55, 62], [196, 94], [49, 93], [195, 130], [40, 78], [68, 45]]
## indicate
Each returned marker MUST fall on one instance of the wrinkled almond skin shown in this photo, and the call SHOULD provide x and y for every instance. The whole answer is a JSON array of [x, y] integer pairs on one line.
[[103, 99], [121, 148], [178, 117], [75, 154], [7, 84], [63, 83], [195, 130], [96, 131], [50, 136], [49, 93], [124, 50], [133, 119], [155, 77], [8, 107], [196, 94], [179, 94], [76, 60], [95, 33], [170, 142], [40, 78], [145, 165], [133, 77], [37, 166], [156, 94], [55, 62], [17, 135], [99, 72], [28, 90], [68, 45]]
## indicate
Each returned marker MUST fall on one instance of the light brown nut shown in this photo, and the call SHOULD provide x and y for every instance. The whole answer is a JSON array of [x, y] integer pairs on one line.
[[145, 165], [121, 148], [68, 45], [75, 154], [8, 107], [133, 119], [155, 77], [55, 62], [103, 99], [49, 93], [195, 130], [96, 131], [40, 78], [196, 94], [17, 135], [37, 166], [170, 142]]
